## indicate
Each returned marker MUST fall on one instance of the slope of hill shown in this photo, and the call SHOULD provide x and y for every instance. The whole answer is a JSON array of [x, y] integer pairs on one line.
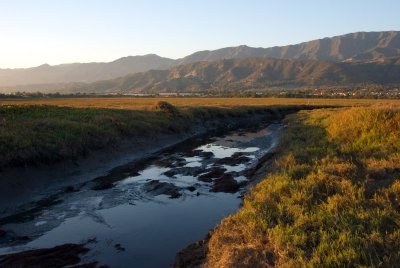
[[249, 73], [350, 47], [83, 72]]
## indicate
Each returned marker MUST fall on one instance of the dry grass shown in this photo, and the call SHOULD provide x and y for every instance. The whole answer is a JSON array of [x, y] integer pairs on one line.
[[333, 200], [149, 103]]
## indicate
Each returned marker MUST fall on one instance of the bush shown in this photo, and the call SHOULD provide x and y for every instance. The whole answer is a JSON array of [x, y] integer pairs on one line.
[[167, 108]]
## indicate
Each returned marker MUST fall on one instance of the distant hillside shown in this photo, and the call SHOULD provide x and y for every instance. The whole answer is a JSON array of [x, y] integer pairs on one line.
[[235, 74], [82, 72], [362, 46], [350, 47]]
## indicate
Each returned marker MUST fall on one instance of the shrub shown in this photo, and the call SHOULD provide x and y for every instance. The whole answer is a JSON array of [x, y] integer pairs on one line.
[[167, 108]]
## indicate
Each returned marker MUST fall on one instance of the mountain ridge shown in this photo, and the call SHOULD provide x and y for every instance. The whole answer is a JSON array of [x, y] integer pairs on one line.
[[353, 47], [249, 73], [315, 49], [83, 72]]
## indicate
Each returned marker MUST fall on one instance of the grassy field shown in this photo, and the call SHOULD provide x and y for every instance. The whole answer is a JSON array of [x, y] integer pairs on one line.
[[50, 130], [149, 103], [37, 134], [332, 200]]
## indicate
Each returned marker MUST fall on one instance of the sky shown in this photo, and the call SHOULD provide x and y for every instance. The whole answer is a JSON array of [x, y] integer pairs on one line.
[[35, 32]]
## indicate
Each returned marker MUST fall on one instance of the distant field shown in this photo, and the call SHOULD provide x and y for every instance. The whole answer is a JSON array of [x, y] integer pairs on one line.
[[148, 103]]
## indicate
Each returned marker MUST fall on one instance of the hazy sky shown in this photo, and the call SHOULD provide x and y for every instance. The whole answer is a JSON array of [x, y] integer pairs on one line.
[[34, 32]]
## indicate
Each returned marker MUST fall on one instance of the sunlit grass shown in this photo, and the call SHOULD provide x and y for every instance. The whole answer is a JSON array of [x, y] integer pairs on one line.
[[149, 103], [332, 201]]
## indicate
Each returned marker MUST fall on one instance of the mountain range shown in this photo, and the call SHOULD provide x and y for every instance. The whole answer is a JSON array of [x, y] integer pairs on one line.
[[249, 73], [334, 60], [349, 47], [83, 72]]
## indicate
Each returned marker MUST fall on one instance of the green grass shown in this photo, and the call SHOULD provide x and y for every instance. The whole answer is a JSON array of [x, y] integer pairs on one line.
[[30, 134], [332, 200], [36, 134]]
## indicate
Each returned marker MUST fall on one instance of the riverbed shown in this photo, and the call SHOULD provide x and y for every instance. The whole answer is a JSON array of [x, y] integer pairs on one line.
[[143, 213]]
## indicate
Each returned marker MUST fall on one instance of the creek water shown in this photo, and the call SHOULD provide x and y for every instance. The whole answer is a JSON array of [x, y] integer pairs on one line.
[[141, 216]]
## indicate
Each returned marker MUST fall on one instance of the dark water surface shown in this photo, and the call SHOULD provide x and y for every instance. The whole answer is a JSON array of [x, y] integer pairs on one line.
[[144, 218]]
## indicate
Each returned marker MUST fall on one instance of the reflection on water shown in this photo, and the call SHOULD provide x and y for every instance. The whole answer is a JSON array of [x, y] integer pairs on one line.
[[144, 219], [220, 151]]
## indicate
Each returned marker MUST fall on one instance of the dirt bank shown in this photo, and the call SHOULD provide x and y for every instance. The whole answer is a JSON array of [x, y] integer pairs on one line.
[[56, 257]]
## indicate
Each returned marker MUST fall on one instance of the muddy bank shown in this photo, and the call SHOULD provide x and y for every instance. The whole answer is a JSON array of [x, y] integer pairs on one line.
[[56, 257], [21, 185]]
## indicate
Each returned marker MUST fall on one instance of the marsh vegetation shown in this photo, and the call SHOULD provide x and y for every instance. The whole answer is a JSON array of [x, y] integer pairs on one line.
[[46, 134], [331, 201]]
